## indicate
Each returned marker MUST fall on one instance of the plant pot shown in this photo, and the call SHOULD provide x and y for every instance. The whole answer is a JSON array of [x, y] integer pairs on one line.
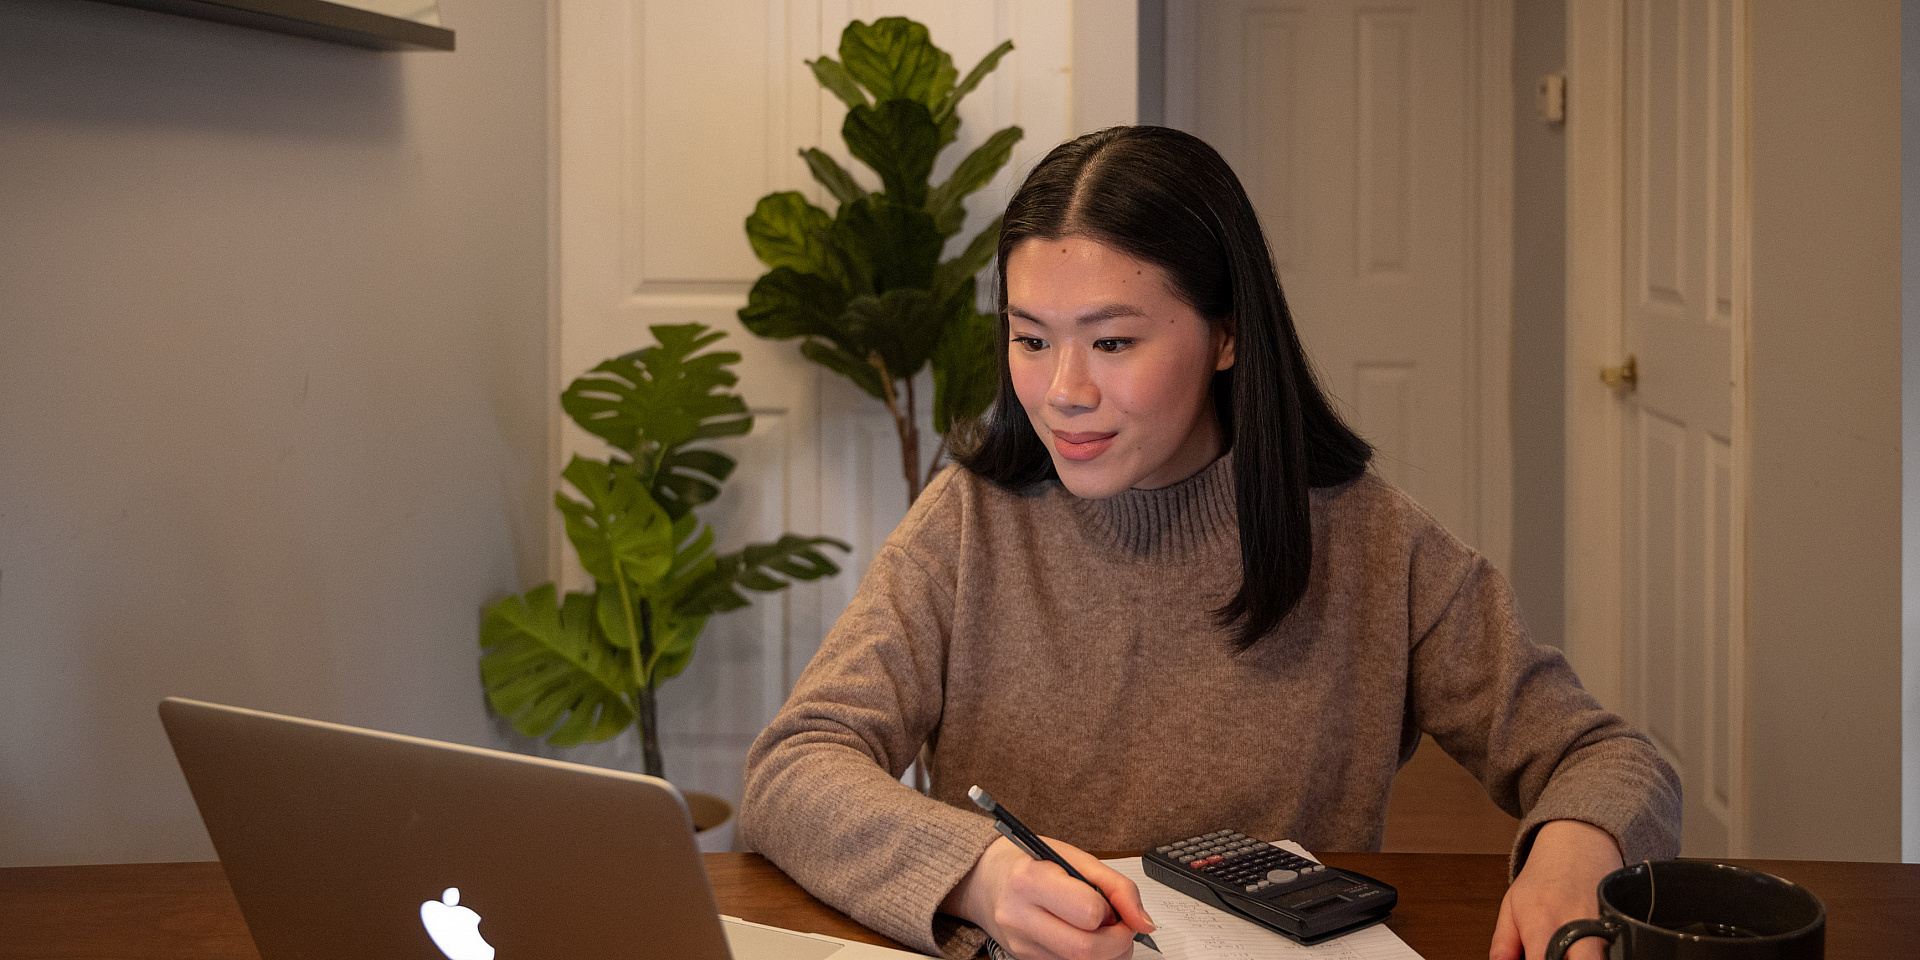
[[708, 810]]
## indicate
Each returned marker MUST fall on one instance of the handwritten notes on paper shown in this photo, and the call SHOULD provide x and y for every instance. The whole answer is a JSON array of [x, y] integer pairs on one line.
[[1191, 930]]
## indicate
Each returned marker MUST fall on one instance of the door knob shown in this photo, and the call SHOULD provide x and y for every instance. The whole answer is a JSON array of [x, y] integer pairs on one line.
[[1623, 377]]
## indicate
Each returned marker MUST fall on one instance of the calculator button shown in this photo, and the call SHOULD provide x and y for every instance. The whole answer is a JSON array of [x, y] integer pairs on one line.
[[1214, 859], [1197, 864], [1281, 876]]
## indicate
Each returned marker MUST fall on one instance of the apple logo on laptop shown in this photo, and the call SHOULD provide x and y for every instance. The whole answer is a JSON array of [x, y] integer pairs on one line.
[[455, 929]]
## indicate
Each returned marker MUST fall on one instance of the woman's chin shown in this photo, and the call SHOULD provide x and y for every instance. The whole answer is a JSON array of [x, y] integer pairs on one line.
[[1088, 479]]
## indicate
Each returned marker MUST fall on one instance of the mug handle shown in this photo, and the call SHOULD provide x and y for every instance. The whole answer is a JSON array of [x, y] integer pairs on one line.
[[1578, 930]]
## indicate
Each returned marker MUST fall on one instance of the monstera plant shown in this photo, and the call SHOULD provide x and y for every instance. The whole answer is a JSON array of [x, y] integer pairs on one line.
[[864, 288], [586, 666]]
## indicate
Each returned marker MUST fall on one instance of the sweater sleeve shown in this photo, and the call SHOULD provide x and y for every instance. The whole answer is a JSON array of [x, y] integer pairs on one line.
[[823, 796], [1512, 712]]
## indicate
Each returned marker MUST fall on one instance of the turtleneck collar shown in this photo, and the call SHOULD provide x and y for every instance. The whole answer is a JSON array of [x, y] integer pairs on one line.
[[1194, 517]]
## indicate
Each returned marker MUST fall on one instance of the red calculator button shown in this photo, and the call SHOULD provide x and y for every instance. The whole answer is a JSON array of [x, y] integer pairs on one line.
[[1197, 864], [1216, 858]]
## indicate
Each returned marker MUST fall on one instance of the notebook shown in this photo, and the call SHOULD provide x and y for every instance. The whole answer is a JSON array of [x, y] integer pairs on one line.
[[343, 842], [1191, 930]]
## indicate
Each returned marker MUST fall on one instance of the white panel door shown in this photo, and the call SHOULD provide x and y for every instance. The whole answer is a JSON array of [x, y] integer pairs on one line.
[[1355, 125], [1677, 306], [674, 118]]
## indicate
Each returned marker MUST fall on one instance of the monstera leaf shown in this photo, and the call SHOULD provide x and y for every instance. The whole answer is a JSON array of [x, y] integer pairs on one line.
[[550, 673], [620, 533], [759, 567], [586, 667], [676, 627], [652, 402]]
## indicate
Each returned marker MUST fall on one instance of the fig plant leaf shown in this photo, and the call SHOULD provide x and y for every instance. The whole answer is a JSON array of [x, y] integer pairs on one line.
[[943, 202], [978, 73], [964, 370], [895, 59], [898, 139], [865, 289], [835, 78], [832, 175]]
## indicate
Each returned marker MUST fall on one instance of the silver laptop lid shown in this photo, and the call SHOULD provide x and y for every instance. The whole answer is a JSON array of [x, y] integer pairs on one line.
[[343, 842]]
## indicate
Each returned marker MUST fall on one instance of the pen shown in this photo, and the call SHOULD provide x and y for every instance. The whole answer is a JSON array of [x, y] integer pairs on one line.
[[1030, 843]]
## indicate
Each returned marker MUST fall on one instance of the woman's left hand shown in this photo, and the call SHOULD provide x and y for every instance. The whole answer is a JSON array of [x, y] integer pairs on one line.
[[1556, 885]]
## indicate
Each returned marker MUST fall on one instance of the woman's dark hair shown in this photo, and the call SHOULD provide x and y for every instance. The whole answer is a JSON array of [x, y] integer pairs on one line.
[[1165, 197]]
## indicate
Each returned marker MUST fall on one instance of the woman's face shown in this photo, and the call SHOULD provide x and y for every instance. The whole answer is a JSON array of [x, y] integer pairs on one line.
[[1113, 368]]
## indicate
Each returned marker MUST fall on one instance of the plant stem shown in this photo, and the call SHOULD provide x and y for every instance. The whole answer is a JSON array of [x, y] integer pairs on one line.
[[909, 427], [933, 466], [649, 732], [904, 425], [643, 696]]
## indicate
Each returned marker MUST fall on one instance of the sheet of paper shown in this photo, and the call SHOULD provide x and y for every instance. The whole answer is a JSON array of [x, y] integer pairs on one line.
[[1191, 930]]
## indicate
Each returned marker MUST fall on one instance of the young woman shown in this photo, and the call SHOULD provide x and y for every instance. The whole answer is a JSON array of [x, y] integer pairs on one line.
[[1160, 596]]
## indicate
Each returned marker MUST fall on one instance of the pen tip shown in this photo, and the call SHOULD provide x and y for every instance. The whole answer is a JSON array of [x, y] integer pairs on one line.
[[980, 798]]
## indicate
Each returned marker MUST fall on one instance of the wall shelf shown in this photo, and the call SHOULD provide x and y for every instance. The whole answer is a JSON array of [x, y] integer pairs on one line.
[[316, 19]]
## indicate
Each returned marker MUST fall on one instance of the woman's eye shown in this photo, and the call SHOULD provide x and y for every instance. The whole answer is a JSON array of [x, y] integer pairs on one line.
[[1112, 344], [1030, 344]]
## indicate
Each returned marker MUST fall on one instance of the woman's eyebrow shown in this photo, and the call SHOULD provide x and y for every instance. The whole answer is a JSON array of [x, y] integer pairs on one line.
[[1107, 312]]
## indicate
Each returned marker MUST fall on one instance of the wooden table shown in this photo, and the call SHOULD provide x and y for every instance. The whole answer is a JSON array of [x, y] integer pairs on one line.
[[177, 911]]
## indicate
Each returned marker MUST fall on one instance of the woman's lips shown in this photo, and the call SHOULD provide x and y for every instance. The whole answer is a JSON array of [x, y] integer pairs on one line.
[[1081, 446]]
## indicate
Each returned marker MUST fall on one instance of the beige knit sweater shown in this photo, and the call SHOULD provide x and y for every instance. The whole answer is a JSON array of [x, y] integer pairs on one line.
[[1061, 653]]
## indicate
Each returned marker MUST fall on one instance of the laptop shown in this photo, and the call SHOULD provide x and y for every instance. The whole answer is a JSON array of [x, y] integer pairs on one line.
[[343, 842]]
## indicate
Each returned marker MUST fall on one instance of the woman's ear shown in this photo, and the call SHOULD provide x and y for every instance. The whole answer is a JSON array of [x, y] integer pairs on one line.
[[1223, 345]]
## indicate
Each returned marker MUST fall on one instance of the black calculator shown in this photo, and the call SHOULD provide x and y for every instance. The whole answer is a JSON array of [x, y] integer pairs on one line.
[[1263, 882]]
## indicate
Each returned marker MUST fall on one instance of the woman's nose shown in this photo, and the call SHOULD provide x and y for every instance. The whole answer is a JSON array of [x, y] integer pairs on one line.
[[1072, 388]]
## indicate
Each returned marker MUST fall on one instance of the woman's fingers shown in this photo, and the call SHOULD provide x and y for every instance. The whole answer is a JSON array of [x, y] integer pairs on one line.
[[1506, 933], [1122, 892], [1048, 888], [1031, 932], [1046, 914]]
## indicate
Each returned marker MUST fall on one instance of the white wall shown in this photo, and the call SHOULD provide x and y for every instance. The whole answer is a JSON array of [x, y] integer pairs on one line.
[[1106, 64], [273, 391]]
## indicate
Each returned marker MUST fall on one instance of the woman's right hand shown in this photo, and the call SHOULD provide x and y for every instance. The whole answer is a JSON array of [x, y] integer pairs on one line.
[[1037, 912]]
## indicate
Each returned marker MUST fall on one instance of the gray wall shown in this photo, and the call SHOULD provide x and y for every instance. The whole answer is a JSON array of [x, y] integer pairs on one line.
[[1824, 613], [1539, 325], [273, 391]]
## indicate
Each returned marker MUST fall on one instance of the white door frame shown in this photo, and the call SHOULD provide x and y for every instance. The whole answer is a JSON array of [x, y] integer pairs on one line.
[[1595, 417], [1488, 377]]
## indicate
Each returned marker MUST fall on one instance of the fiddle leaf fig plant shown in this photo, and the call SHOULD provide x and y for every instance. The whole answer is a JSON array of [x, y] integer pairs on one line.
[[864, 288], [586, 666]]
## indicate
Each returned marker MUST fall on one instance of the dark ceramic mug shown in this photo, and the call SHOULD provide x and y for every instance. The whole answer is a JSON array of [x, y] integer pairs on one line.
[[1701, 910]]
